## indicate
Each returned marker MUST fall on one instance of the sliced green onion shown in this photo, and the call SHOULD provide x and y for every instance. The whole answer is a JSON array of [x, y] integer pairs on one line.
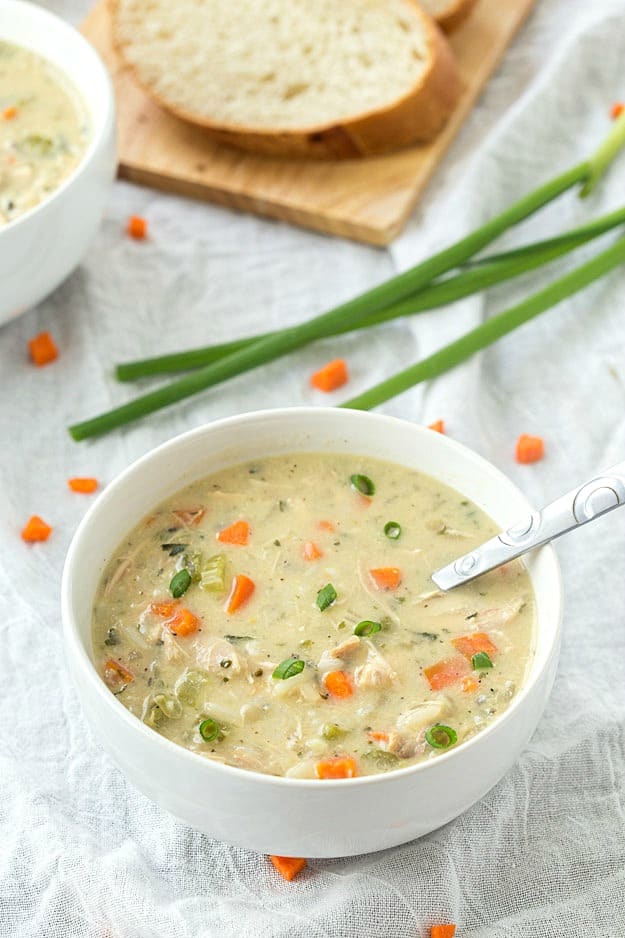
[[392, 530], [326, 596], [169, 706], [362, 484], [440, 736], [367, 628], [209, 730], [180, 583], [480, 661], [288, 668]]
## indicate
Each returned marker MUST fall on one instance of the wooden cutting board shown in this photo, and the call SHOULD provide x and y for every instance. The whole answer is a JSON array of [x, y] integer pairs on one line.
[[367, 200]]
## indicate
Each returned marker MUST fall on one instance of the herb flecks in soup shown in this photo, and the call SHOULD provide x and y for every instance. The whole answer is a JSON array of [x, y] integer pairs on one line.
[[280, 617], [43, 130]]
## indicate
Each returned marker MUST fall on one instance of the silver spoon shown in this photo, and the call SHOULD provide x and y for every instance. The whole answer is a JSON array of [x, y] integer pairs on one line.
[[578, 507]]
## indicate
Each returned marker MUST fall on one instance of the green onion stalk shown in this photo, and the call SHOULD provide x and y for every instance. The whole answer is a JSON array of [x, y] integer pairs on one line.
[[473, 277], [495, 328], [352, 313]]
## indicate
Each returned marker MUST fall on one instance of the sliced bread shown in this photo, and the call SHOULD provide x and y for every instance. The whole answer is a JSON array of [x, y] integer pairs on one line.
[[314, 78], [449, 14]]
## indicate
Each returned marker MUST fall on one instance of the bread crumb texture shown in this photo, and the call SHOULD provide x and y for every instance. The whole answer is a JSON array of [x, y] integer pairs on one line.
[[272, 64]]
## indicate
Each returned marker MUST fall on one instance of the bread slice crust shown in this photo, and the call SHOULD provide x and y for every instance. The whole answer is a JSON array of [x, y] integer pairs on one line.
[[416, 116], [455, 14]]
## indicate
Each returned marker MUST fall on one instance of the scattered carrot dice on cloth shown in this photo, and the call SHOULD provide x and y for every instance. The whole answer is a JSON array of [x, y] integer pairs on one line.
[[83, 485], [288, 867], [137, 227], [332, 376], [42, 349], [36, 529], [529, 448]]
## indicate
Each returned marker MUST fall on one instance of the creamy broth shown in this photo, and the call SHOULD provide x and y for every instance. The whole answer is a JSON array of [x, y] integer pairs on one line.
[[279, 616], [43, 130]]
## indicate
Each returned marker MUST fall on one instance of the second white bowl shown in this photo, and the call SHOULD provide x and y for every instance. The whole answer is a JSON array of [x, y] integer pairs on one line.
[[40, 248]]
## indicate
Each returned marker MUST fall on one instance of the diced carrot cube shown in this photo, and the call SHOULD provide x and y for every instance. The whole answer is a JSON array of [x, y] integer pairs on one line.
[[310, 551], [179, 620], [339, 684], [242, 589], [137, 227], [447, 672], [36, 529], [438, 426], [617, 109], [386, 578], [337, 767], [326, 526], [529, 448], [83, 485], [288, 867], [332, 376], [9, 113], [237, 533], [442, 931], [43, 349], [183, 622], [473, 644]]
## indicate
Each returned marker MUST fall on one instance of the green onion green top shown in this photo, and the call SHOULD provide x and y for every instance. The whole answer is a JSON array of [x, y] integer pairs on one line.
[[480, 661], [392, 530], [362, 484], [440, 736], [180, 583], [288, 668], [209, 730], [326, 596], [367, 628]]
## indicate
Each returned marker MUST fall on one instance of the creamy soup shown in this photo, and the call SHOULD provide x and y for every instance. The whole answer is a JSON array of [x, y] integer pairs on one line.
[[279, 616], [43, 130]]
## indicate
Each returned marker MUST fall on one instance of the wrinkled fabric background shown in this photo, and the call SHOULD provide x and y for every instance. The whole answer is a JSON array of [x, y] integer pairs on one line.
[[82, 854]]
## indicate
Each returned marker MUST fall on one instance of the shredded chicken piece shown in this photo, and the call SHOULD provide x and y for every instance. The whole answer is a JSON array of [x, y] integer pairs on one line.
[[211, 656], [376, 671], [248, 758], [496, 618], [418, 718], [345, 648], [172, 649]]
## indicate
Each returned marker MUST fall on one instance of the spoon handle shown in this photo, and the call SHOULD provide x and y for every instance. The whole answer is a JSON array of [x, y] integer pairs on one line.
[[578, 507]]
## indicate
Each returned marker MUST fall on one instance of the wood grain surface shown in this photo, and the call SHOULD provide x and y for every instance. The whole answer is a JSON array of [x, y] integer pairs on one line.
[[366, 200]]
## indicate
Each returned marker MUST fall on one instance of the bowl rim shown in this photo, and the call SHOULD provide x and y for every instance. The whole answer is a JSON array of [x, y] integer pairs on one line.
[[100, 127], [82, 658]]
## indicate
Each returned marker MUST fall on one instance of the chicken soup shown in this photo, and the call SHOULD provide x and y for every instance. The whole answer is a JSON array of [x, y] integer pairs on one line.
[[279, 616], [44, 130]]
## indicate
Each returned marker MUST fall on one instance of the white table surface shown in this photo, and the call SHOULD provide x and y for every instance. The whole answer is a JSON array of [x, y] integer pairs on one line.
[[84, 855]]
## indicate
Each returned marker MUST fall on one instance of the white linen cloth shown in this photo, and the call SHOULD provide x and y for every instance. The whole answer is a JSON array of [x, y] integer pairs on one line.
[[83, 854]]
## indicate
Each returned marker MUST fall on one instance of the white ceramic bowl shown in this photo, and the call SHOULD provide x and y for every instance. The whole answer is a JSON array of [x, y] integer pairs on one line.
[[41, 247], [298, 817]]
